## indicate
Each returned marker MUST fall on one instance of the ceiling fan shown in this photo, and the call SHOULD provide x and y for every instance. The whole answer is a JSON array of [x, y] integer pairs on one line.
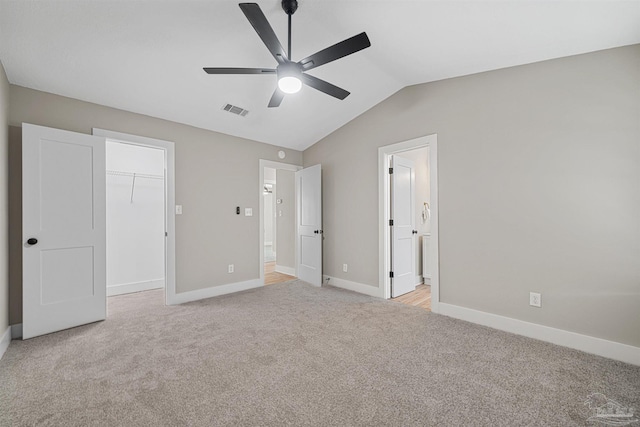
[[291, 75]]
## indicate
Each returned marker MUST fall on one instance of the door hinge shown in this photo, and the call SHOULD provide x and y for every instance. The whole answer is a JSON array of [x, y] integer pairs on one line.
[[166, 234], [391, 274], [390, 223], [390, 170]]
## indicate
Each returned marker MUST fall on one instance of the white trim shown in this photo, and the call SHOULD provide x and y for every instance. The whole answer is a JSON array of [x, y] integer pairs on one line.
[[361, 288], [610, 349], [170, 192], [384, 154], [215, 291], [268, 243], [418, 280], [5, 341], [128, 288], [273, 165], [285, 270], [16, 331]]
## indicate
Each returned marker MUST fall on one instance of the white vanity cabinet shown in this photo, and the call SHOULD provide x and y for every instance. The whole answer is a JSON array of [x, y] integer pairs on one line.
[[426, 264]]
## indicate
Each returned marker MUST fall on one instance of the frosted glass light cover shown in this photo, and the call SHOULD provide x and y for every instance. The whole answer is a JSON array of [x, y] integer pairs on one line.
[[289, 84]]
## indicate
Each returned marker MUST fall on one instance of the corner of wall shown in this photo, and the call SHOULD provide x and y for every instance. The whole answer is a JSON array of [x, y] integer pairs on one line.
[[4, 205]]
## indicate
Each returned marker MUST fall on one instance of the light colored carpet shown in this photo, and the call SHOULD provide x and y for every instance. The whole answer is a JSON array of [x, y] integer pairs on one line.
[[292, 354]]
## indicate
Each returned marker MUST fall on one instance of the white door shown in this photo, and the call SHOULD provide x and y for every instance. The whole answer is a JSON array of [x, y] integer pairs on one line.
[[63, 228], [309, 224], [403, 233]]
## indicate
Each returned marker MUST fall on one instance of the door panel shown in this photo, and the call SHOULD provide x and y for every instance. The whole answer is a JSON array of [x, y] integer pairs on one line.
[[77, 194], [67, 274], [63, 204], [309, 224], [403, 249]]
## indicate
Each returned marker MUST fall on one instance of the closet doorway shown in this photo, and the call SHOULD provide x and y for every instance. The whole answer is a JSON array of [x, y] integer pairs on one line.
[[136, 206]]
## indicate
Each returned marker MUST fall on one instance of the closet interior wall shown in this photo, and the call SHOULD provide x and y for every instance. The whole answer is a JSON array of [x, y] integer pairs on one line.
[[135, 218]]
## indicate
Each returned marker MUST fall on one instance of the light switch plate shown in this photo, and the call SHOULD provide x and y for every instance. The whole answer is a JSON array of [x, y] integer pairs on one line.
[[248, 212], [178, 209]]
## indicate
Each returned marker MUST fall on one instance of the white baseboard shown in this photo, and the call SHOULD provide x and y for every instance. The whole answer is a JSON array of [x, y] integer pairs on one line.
[[16, 331], [418, 280], [5, 341], [610, 349], [215, 291], [352, 286], [127, 288], [286, 270]]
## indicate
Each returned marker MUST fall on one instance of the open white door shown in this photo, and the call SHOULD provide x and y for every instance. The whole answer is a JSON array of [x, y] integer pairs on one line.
[[309, 224], [63, 228], [403, 248]]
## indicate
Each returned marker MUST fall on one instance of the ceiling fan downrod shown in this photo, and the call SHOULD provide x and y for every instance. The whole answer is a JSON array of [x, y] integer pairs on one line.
[[289, 7]]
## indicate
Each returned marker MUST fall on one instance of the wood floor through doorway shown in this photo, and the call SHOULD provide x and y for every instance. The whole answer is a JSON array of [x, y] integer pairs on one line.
[[421, 297], [271, 276]]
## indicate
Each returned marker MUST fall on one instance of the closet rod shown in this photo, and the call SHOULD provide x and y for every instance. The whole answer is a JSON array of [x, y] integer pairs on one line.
[[134, 176], [137, 175]]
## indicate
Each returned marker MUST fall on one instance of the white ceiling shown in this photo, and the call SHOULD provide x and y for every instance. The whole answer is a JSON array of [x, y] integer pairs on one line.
[[147, 56]]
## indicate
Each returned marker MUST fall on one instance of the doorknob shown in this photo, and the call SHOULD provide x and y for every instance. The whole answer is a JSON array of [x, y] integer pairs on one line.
[[32, 241], [317, 231]]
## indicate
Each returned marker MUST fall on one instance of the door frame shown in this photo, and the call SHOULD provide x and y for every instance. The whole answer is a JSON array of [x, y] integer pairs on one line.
[[170, 200], [384, 191], [273, 165]]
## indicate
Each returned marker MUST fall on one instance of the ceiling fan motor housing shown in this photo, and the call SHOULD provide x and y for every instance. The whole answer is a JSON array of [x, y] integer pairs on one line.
[[290, 6], [289, 69]]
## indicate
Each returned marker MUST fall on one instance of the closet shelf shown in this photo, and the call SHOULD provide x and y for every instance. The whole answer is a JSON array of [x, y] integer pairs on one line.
[[132, 174]]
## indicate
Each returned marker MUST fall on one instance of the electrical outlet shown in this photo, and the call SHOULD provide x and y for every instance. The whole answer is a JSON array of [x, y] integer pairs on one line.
[[535, 299], [230, 268], [178, 209], [345, 267]]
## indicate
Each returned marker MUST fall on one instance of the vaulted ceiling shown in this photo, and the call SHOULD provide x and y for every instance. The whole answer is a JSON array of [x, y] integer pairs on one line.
[[147, 56]]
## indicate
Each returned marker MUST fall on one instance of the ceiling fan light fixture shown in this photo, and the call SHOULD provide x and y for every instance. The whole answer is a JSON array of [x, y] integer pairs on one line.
[[290, 84], [289, 77]]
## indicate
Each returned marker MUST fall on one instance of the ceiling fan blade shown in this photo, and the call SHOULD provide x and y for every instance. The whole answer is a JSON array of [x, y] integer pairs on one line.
[[337, 51], [276, 98], [324, 86], [219, 70], [259, 22]]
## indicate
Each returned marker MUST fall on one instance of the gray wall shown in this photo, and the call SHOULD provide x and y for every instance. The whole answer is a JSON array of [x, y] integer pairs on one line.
[[285, 223], [214, 174], [4, 210], [539, 189]]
